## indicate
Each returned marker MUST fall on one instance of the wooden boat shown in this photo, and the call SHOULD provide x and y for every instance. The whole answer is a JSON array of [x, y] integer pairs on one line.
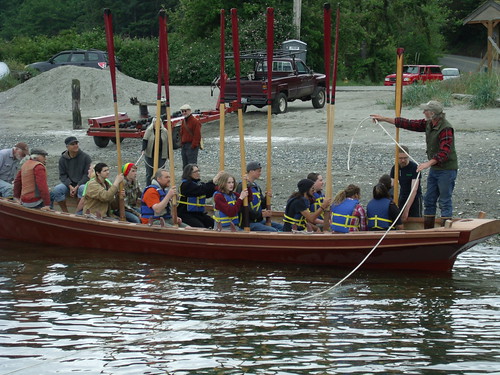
[[426, 250]]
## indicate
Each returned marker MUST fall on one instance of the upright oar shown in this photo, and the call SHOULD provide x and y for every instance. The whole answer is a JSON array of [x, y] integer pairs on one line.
[[398, 106], [270, 53], [108, 23], [327, 41], [236, 52], [165, 73], [222, 86]]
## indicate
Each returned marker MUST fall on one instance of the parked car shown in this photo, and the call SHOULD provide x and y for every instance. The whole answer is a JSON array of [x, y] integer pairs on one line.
[[449, 73], [91, 58], [416, 73]]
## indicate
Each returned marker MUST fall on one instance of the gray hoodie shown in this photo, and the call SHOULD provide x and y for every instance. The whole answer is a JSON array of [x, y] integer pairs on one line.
[[74, 171]]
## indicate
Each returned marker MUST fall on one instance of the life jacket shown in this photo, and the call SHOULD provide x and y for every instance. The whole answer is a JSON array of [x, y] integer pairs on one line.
[[221, 217], [319, 198], [298, 219], [378, 214], [342, 216], [29, 189], [256, 203], [148, 212], [194, 204]]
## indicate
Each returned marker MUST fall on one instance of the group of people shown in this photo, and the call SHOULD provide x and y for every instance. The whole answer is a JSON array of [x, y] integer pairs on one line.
[[304, 210]]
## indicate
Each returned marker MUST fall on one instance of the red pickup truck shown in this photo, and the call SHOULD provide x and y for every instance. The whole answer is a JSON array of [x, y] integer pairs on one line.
[[416, 73], [291, 80]]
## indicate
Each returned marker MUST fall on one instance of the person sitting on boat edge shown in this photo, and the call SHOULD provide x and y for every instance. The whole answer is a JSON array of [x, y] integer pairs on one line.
[[10, 158], [318, 196], [101, 197], [73, 168], [381, 211], [348, 215], [228, 203], [257, 202], [298, 216], [155, 200], [30, 184], [133, 193], [192, 197]]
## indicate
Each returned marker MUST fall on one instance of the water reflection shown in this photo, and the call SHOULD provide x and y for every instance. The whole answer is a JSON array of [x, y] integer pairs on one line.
[[82, 311]]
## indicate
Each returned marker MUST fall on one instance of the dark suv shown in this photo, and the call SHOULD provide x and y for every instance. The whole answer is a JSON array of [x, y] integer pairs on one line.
[[91, 58]]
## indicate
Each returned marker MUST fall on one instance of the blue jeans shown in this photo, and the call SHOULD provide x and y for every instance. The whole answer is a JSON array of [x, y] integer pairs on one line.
[[189, 155], [261, 226], [440, 185], [131, 217], [59, 193], [5, 189]]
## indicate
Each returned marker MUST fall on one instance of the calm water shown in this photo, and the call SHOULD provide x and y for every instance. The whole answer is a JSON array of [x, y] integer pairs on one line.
[[76, 311]]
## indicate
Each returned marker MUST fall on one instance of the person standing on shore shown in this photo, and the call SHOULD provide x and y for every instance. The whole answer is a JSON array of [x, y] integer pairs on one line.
[[443, 161], [148, 144], [10, 158], [30, 185], [190, 136], [73, 173]]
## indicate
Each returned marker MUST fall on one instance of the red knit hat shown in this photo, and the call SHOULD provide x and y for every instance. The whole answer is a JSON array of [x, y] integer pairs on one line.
[[126, 168]]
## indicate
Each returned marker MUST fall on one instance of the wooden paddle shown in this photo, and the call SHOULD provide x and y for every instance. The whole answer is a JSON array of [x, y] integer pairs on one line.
[[222, 87], [236, 52], [398, 106], [108, 23], [270, 53], [164, 70]]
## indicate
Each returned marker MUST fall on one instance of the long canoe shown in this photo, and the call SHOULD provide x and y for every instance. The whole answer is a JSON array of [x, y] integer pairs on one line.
[[417, 249]]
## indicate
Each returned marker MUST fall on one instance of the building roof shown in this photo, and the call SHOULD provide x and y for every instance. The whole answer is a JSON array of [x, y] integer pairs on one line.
[[488, 11]]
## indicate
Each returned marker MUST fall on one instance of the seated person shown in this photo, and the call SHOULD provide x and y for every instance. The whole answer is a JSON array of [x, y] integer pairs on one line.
[[347, 214], [318, 196], [297, 214], [382, 211], [101, 196], [257, 213], [155, 200], [193, 194], [227, 204], [132, 193]]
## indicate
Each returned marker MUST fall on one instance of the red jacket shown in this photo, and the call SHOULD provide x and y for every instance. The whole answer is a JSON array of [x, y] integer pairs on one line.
[[193, 135]]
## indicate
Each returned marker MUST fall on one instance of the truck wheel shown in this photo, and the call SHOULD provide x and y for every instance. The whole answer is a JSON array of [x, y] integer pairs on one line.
[[318, 100], [113, 139], [176, 137], [280, 103], [101, 142]]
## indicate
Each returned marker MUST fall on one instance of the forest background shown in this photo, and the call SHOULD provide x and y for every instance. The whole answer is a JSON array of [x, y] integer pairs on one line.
[[370, 32]]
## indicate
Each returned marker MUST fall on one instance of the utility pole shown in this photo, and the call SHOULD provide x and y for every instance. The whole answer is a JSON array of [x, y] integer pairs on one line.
[[297, 12]]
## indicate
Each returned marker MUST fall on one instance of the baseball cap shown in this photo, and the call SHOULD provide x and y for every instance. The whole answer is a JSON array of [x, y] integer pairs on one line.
[[23, 147], [39, 151], [433, 106], [70, 140], [253, 165]]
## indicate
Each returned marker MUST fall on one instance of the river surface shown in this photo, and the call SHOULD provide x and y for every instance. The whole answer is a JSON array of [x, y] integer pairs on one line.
[[79, 311]]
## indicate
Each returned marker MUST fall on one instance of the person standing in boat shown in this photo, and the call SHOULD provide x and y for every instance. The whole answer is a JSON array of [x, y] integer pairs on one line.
[[443, 161], [133, 193], [348, 215], [155, 200], [411, 190], [228, 203], [190, 136], [10, 158], [30, 184], [318, 196], [101, 196], [381, 211], [73, 167], [148, 144], [192, 197], [257, 213], [298, 216]]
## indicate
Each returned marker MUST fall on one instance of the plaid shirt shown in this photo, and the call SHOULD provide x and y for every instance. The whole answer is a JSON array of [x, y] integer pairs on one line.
[[445, 136], [360, 220]]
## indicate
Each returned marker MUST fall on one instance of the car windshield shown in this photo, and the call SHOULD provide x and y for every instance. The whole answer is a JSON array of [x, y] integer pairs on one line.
[[410, 69]]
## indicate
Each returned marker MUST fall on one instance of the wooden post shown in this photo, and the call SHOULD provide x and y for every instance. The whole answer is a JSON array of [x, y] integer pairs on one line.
[[75, 99]]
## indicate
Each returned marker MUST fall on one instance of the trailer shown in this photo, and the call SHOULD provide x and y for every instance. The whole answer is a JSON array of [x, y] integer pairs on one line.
[[102, 128]]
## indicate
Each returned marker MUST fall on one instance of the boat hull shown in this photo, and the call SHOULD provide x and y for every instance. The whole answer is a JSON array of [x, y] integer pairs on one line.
[[429, 250]]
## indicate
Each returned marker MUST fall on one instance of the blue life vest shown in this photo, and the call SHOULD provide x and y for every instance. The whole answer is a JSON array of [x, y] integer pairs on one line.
[[378, 213], [342, 216], [221, 217], [148, 212], [298, 219], [194, 204], [319, 198]]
